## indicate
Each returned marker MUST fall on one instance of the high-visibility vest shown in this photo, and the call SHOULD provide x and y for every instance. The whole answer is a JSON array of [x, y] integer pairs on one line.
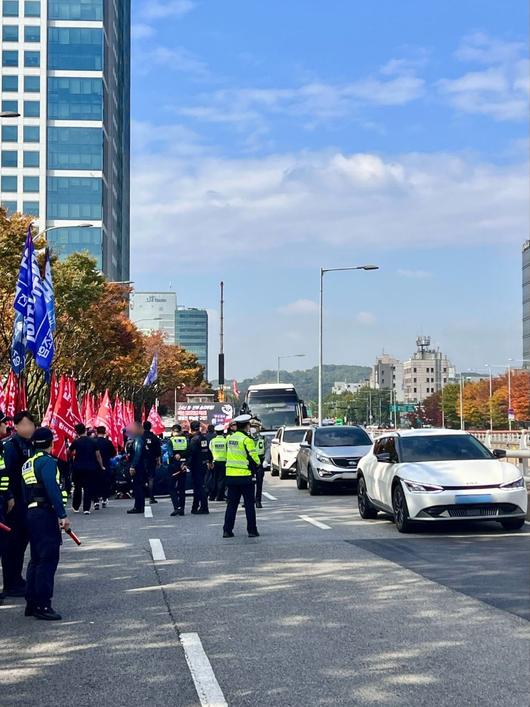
[[4, 478], [239, 447], [218, 448], [36, 490], [179, 443], [260, 445]]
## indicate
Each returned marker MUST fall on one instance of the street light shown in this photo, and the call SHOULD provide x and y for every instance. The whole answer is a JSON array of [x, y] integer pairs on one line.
[[9, 114], [286, 356], [323, 271], [54, 228]]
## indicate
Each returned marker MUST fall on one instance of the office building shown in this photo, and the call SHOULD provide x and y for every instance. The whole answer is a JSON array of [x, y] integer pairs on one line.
[[526, 303], [154, 311], [191, 333], [65, 160], [426, 372], [341, 387], [387, 374]]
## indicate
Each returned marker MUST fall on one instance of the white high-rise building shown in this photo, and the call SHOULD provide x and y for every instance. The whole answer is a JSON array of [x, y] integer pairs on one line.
[[387, 374], [426, 372], [154, 311]]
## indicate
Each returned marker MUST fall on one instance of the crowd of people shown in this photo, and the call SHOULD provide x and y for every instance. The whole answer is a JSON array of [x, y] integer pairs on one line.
[[224, 465]]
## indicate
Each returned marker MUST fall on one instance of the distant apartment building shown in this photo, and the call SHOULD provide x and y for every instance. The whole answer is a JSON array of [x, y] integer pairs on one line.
[[387, 374], [154, 311], [341, 387], [191, 333], [526, 303], [426, 372]]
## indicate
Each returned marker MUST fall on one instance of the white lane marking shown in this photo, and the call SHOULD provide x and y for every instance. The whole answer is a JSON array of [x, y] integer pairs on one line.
[[317, 523], [157, 550], [269, 496], [208, 689], [148, 512]]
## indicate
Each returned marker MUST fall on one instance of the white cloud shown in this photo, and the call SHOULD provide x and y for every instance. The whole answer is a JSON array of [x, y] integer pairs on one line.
[[415, 274], [300, 307], [175, 59], [319, 204], [365, 318], [500, 90], [159, 10], [140, 30]]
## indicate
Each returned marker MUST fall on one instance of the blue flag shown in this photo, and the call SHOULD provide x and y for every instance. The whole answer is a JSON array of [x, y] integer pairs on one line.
[[18, 345], [23, 287], [153, 372], [42, 345], [49, 295]]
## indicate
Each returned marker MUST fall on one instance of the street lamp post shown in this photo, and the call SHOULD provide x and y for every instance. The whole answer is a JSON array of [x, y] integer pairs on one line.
[[9, 114], [54, 228], [323, 271], [286, 356]]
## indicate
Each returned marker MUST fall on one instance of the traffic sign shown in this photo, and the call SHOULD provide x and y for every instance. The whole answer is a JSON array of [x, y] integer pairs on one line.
[[403, 407], [339, 421]]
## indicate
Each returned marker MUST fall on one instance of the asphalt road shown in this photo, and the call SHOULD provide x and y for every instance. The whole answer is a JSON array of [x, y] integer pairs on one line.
[[348, 614]]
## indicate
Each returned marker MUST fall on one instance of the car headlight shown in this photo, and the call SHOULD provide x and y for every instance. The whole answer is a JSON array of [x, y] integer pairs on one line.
[[417, 487], [517, 484], [323, 458]]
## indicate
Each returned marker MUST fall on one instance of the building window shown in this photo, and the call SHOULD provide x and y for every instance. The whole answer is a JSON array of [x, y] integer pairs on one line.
[[75, 99], [31, 109], [65, 241], [80, 10], [31, 159], [9, 83], [31, 184], [32, 59], [31, 133], [32, 33], [9, 57], [31, 208], [9, 158], [10, 206], [31, 84], [75, 148], [10, 33], [9, 133], [32, 8], [10, 106], [10, 8], [415, 371], [75, 198], [415, 390], [9, 184], [75, 49]]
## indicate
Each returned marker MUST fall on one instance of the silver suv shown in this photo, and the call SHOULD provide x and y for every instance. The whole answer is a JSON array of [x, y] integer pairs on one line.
[[330, 455]]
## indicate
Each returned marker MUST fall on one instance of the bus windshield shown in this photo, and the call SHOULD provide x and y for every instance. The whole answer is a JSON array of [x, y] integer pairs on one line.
[[275, 407]]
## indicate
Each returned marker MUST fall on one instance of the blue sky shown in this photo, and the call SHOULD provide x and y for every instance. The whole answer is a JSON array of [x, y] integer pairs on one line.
[[272, 138]]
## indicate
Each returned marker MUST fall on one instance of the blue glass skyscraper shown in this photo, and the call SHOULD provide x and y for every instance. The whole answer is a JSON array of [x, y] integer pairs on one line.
[[65, 161]]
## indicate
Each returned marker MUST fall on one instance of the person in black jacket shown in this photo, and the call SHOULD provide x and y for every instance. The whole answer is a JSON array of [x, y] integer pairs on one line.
[[108, 452], [17, 450], [152, 457], [199, 460]]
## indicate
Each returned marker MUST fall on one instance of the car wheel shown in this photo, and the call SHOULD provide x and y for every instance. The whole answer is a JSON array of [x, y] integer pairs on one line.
[[301, 483], [284, 474], [401, 511], [313, 484], [512, 523], [274, 470], [366, 510]]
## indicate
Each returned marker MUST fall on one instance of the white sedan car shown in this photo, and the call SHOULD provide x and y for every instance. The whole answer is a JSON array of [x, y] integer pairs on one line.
[[439, 475]]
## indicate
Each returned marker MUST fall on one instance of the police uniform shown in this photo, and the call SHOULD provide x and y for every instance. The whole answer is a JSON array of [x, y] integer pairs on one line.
[[45, 503], [218, 450], [199, 457], [241, 463], [260, 472], [177, 470], [135, 450]]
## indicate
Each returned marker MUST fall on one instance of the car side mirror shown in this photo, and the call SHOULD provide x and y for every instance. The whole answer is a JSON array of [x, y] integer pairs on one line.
[[499, 453], [384, 457], [304, 444]]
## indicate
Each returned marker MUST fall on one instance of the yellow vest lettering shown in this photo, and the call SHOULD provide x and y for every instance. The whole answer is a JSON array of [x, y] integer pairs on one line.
[[218, 448]]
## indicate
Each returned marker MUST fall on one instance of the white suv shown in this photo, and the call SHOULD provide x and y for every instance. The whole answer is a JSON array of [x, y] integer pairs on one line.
[[285, 446]]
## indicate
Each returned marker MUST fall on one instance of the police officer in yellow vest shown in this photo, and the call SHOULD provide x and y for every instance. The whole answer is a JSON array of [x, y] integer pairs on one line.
[[46, 517], [218, 450], [177, 470], [260, 450], [242, 463]]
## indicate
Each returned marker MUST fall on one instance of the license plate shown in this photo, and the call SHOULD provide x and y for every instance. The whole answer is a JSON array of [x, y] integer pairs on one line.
[[484, 498]]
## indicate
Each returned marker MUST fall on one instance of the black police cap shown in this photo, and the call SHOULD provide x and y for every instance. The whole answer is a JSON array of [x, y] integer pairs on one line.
[[42, 437], [195, 425]]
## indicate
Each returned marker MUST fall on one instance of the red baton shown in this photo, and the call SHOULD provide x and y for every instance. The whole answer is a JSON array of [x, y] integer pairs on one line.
[[74, 537], [5, 528]]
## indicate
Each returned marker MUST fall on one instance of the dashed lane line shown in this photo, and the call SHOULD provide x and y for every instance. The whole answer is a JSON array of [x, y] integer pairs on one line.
[[157, 550], [315, 522], [148, 512], [208, 689], [269, 496]]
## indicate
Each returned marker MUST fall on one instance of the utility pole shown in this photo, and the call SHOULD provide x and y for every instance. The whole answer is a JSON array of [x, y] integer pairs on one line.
[[221, 376]]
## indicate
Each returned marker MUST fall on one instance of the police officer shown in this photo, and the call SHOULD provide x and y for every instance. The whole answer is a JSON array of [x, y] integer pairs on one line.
[[17, 450], [46, 517], [6, 501], [199, 459], [135, 450], [242, 462], [260, 450], [218, 450], [152, 457], [177, 470]]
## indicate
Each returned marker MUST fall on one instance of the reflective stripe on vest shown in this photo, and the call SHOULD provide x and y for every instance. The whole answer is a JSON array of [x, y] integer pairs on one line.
[[218, 449], [238, 447], [179, 444], [4, 478], [260, 446]]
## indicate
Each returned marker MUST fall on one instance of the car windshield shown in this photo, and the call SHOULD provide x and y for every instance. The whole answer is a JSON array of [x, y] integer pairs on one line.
[[341, 437], [437, 448], [294, 436]]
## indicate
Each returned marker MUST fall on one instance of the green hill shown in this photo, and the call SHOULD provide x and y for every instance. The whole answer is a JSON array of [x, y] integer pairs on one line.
[[306, 382]]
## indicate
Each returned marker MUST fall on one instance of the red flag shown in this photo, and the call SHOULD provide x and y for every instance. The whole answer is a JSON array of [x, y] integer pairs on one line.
[[11, 392], [2, 397], [235, 389], [51, 405], [22, 397], [72, 389], [104, 414], [119, 421], [63, 419], [154, 418], [144, 415]]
